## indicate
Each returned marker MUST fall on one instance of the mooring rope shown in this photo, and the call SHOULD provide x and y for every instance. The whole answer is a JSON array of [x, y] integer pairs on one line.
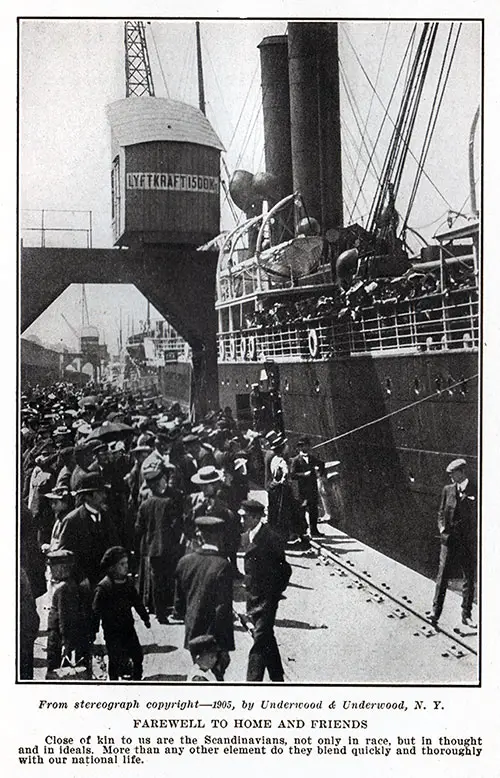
[[394, 413]]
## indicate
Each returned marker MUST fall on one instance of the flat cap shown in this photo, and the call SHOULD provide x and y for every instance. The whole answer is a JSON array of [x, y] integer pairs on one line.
[[153, 470], [251, 506], [203, 643], [455, 465]]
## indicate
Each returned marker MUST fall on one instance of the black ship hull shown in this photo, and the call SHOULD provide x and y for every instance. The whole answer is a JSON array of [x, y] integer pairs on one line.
[[391, 474]]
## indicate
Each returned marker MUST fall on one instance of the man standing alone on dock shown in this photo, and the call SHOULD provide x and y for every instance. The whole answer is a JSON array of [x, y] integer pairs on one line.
[[457, 522], [305, 469], [267, 574]]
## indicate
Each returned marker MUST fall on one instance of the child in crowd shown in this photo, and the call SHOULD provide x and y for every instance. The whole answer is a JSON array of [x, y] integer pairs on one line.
[[69, 619], [115, 596], [205, 652]]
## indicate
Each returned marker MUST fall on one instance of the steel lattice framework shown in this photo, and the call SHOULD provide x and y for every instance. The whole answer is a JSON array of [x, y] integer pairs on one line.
[[138, 78]]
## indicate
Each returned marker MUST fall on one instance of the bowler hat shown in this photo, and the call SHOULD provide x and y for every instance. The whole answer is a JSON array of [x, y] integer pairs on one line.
[[92, 482]]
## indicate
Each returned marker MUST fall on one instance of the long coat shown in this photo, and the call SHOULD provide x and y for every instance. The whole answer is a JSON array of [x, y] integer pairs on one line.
[[88, 540], [158, 531], [457, 515], [204, 596], [267, 572]]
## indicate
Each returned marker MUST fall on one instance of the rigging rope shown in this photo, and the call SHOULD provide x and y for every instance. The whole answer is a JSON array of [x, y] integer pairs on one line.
[[394, 413], [386, 109], [350, 100], [392, 122], [433, 117], [159, 59], [404, 116], [365, 125], [243, 108]]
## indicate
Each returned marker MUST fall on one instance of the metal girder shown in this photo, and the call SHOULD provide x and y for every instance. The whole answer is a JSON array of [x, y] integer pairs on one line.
[[138, 78]]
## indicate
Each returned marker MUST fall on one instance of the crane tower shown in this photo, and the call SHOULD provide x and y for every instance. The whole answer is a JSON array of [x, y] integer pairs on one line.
[[138, 78]]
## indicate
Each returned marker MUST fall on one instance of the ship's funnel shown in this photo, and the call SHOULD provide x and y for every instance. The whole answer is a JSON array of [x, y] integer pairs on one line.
[[276, 112], [315, 122]]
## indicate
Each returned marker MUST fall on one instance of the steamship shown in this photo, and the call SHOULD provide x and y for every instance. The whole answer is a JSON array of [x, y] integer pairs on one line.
[[342, 332]]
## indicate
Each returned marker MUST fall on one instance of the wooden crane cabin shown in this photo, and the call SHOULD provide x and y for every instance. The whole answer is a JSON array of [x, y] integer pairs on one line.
[[165, 175]]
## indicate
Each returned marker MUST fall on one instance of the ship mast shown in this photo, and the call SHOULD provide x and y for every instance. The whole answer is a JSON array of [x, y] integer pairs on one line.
[[199, 60], [472, 176]]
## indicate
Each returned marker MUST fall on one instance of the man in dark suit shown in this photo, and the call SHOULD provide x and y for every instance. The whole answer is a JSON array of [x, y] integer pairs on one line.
[[204, 592], [457, 523], [304, 469], [267, 574], [88, 531], [159, 535]]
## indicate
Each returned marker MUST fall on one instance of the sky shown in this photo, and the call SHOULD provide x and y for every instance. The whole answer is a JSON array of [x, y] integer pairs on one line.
[[71, 69]]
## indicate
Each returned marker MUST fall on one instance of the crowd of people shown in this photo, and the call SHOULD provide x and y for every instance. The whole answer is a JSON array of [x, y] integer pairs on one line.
[[363, 292], [129, 506]]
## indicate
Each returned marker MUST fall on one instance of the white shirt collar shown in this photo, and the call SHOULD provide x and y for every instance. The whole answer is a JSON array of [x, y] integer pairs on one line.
[[462, 486], [253, 532], [94, 514]]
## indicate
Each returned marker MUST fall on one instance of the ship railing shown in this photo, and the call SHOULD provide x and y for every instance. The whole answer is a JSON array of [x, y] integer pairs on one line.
[[432, 323]]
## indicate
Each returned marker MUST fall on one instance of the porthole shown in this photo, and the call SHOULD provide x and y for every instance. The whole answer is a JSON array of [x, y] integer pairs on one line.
[[388, 386], [417, 388], [317, 387], [411, 477], [247, 384], [438, 384], [286, 385], [451, 382]]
